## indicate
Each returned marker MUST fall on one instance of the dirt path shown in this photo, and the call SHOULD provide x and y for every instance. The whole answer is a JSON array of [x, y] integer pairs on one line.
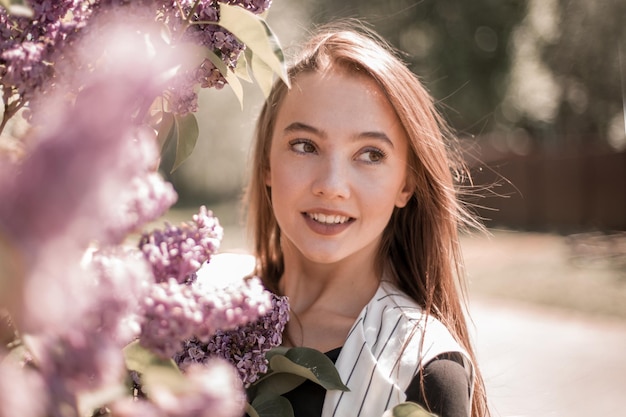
[[543, 362]]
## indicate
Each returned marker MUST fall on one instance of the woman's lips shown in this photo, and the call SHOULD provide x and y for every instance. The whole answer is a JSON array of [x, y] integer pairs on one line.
[[327, 224]]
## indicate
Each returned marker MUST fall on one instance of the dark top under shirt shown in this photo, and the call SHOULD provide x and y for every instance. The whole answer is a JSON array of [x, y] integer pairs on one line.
[[446, 390]]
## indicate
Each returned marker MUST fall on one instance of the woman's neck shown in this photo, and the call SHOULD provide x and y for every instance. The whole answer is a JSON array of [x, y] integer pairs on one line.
[[326, 299]]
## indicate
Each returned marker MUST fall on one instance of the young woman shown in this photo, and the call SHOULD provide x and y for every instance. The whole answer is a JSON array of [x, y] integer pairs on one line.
[[353, 204]]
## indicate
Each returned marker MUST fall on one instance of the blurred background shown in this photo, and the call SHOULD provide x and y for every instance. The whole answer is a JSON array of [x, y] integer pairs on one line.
[[536, 91]]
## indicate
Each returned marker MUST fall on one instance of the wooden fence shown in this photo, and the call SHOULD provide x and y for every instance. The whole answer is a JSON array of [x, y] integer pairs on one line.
[[566, 193]]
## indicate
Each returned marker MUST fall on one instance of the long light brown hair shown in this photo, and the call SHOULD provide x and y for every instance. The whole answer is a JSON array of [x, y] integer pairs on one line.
[[420, 245]]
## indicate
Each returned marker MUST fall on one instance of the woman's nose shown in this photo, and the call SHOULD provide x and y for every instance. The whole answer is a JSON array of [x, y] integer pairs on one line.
[[332, 179]]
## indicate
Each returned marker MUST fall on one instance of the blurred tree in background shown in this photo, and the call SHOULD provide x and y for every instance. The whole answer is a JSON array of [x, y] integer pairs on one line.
[[566, 86], [544, 72], [459, 48], [520, 78]]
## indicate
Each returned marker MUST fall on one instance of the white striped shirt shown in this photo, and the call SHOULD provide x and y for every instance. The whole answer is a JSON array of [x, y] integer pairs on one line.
[[383, 352]]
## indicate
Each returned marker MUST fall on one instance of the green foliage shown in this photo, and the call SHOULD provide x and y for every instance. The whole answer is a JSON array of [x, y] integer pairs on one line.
[[154, 371], [409, 409], [288, 368], [255, 33], [262, 60], [183, 131], [270, 406]]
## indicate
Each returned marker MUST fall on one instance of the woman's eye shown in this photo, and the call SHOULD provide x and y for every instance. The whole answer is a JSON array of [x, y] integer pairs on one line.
[[302, 146], [372, 156]]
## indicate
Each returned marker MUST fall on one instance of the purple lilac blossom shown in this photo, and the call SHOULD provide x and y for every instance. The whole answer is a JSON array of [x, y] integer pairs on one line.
[[88, 152], [68, 190], [175, 312], [183, 94], [30, 45], [76, 361], [178, 252], [122, 279], [147, 198], [244, 347], [208, 391], [170, 315], [34, 51], [86, 353], [22, 390]]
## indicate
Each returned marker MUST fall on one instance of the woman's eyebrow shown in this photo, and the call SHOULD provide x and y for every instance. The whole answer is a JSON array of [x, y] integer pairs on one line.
[[382, 136], [299, 127]]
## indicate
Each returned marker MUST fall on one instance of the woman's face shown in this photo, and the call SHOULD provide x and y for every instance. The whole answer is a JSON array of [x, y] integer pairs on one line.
[[338, 165]]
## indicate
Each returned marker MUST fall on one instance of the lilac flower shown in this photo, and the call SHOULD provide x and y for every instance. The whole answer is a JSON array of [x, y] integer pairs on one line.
[[85, 353], [178, 252], [122, 279], [208, 391], [75, 361], [29, 46], [85, 153], [22, 390], [69, 190], [214, 391], [183, 93], [231, 306], [245, 347], [147, 198], [170, 315], [175, 312]]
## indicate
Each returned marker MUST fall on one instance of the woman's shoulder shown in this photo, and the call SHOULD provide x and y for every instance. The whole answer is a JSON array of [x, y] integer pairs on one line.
[[413, 324]]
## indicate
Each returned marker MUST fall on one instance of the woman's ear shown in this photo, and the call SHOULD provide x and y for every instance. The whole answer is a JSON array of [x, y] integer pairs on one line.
[[268, 177], [405, 193]]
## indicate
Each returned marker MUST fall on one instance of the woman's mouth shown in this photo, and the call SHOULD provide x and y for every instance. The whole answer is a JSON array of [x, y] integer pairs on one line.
[[328, 218], [327, 224]]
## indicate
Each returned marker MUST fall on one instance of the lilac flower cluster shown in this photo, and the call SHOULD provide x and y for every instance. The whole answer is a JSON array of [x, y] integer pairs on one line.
[[147, 198], [213, 390], [20, 401], [30, 45], [217, 39], [175, 312], [93, 170], [86, 353], [189, 23], [178, 252], [122, 279], [245, 347], [78, 316]]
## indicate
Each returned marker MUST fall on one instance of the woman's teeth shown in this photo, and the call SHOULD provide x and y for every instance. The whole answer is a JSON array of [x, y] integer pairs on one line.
[[328, 218]]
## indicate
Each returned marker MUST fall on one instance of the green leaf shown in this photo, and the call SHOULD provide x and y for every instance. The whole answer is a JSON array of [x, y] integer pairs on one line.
[[160, 377], [277, 383], [242, 69], [230, 76], [263, 74], [251, 412], [154, 370], [140, 359], [187, 132], [272, 406], [254, 32], [166, 130], [409, 409], [310, 364], [279, 350]]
